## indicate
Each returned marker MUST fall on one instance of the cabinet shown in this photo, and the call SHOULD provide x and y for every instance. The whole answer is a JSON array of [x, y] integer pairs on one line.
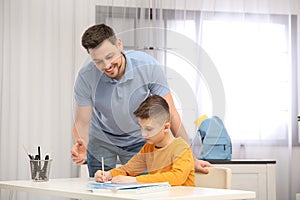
[[253, 175]]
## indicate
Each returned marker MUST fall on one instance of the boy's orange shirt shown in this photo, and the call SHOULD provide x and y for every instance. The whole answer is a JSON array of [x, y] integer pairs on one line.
[[173, 163]]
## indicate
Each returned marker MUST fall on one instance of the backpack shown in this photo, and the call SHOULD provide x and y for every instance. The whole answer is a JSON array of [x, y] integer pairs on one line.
[[216, 143]]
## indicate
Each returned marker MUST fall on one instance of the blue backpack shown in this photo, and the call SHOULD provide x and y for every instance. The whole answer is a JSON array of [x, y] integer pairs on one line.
[[216, 143]]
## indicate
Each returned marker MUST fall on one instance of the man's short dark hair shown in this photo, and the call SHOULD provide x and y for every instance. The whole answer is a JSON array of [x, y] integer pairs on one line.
[[95, 35]]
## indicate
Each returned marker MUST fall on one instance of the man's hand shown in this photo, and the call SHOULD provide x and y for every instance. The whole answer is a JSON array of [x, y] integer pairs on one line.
[[121, 178], [78, 152], [200, 166]]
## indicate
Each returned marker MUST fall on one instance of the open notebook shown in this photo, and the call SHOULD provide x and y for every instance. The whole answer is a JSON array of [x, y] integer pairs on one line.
[[136, 187]]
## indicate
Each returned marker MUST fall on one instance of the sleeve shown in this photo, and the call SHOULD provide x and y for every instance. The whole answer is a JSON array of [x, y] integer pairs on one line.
[[82, 91], [159, 84], [181, 168], [135, 166]]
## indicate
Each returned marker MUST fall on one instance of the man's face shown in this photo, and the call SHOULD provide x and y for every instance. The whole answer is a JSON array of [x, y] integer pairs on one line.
[[109, 59]]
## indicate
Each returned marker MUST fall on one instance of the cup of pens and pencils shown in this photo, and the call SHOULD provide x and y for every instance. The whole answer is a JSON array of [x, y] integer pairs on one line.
[[39, 167]]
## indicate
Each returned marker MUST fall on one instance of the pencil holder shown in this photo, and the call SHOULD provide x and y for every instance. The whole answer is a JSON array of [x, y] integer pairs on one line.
[[40, 169]]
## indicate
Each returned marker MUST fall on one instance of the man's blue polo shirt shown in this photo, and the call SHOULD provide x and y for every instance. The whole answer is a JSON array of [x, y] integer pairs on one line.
[[115, 101]]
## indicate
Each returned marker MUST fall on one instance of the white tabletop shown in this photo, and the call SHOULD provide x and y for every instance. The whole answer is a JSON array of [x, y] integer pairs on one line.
[[77, 188]]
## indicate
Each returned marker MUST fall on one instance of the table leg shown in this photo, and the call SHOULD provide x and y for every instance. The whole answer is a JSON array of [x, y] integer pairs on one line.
[[11, 194]]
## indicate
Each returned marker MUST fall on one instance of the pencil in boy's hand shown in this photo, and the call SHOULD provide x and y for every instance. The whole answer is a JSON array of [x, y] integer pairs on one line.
[[102, 160]]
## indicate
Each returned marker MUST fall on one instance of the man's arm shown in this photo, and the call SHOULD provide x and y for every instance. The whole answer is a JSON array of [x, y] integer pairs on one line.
[[83, 116], [176, 126], [81, 127], [178, 130]]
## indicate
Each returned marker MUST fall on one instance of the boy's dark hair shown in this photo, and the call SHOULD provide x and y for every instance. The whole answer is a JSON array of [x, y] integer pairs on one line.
[[154, 107], [95, 35]]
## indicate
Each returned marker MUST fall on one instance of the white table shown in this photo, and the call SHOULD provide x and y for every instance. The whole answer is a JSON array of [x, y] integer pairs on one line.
[[77, 188]]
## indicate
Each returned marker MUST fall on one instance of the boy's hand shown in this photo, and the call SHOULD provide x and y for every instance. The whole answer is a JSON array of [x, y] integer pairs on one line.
[[100, 177], [121, 178]]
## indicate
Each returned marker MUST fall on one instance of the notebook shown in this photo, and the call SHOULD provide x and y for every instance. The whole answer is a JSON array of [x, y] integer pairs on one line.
[[121, 187]]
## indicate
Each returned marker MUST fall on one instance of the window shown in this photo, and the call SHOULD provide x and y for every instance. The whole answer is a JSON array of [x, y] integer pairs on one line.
[[252, 56], [251, 53]]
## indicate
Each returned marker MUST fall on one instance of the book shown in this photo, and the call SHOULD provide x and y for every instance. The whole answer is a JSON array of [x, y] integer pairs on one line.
[[136, 187]]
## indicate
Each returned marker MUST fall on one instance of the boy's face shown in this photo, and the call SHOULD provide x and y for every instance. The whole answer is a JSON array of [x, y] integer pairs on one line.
[[153, 130]]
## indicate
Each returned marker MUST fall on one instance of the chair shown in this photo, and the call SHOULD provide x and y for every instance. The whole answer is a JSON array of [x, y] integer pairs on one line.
[[218, 177]]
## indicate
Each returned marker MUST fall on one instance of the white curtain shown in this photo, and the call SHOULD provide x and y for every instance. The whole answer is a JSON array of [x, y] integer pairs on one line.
[[234, 59], [37, 70]]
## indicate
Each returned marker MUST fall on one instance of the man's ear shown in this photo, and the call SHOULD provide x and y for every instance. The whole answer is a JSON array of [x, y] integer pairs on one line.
[[120, 44]]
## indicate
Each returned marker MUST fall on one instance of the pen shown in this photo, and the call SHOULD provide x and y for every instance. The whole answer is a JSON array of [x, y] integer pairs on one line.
[[39, 152], [31, 157], [39, 164], [36, 168], [102, 159], [44, 169]]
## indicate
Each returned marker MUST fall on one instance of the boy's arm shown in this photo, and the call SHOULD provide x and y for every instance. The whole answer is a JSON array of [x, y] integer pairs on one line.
[[181, 169], [135, 166]]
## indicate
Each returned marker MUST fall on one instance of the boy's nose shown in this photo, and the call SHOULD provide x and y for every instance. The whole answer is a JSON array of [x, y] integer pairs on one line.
[[145, 135]]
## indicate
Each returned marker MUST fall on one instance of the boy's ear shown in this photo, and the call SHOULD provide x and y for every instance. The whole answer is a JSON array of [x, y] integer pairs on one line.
[[167, 126]]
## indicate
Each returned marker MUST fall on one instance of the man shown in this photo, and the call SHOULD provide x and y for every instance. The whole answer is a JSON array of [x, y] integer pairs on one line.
[[107, 91]]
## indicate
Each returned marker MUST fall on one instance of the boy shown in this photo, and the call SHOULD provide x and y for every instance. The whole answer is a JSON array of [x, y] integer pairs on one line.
[[167, 159]]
